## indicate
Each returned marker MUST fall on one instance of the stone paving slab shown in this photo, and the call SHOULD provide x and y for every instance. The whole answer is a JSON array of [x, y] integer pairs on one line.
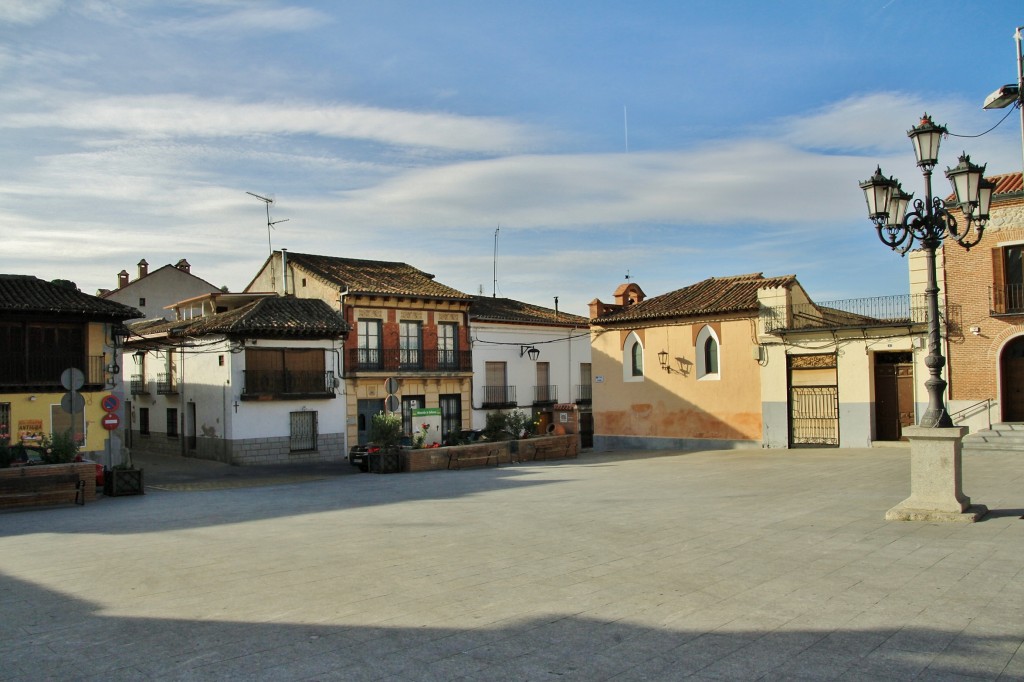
[[725, 565]]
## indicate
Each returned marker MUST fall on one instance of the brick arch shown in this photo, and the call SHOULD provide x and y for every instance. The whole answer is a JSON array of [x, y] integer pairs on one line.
[[999, 341]]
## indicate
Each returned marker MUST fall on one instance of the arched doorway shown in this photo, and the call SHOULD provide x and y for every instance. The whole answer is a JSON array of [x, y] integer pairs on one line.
[[1011, 380]]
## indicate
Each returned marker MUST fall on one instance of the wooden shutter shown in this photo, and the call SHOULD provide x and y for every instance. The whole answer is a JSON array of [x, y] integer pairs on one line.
[[998, 281]]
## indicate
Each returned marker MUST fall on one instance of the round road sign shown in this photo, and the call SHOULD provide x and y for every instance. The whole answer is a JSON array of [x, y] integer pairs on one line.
[[72, 379], [110, 421], [110, 403]]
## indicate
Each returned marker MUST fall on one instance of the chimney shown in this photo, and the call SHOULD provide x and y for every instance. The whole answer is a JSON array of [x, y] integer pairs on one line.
[[183, 265], [122, 279], [143, 268]]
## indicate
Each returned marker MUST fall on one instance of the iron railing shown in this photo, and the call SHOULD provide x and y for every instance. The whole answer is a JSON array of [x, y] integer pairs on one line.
[[545, 394], [166, 384], [282, 383], [499, 396], [406, 360], [857, 313], [139, 385], [584, 393], [45, 371], [1007, 300]]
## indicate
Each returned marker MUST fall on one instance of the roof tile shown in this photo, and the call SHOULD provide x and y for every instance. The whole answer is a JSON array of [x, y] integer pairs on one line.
[[29, 294], [374, 277]]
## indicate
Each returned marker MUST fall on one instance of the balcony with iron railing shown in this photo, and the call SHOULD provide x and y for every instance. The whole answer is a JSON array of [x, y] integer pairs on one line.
[[139, 385], [166, 384], [404, 360], [545, 394], [264, 384], [857, 313], [41, 372], [1007, 300], [499, 397], [584, 394]]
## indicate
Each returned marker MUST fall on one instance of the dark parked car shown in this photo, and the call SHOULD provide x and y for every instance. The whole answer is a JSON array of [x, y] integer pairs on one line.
[[463, 437], [357, 455]]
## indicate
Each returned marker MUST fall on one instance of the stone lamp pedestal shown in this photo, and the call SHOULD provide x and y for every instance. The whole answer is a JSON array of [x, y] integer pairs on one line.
[[936, 492]]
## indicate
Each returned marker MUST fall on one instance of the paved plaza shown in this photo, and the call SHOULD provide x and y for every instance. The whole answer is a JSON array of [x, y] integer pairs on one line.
[[734, 565]]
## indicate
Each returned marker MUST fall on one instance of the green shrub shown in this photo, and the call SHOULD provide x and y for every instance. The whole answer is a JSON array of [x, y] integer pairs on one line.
[[386, 429], [59, 448]]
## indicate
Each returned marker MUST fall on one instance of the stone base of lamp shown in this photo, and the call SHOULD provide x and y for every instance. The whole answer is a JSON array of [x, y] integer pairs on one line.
[[936, 479]]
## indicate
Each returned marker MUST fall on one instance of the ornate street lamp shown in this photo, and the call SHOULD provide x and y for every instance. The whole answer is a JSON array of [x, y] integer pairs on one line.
[[928, 225]]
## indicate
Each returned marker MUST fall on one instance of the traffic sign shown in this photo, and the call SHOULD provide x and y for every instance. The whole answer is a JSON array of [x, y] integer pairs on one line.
[[392, 404], [110, 403], [110, 421], [72, 402], [391, 385], [72, 379]]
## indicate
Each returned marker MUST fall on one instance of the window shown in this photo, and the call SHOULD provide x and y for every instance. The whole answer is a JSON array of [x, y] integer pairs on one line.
[[584, 391], [368, 355], [545, 391], [61, 422], [144, 421], [220, 360], [302, 434], [36, 354], [447, 346], [633, 359], [451, 413], [172, 422], [142, 302], [410, 403], [496, 390], [5, 423], [285, 371], [707, 354], [410, 340], [1008, 276]]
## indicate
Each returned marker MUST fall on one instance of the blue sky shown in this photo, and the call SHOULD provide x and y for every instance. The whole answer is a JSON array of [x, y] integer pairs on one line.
[[670, 140]]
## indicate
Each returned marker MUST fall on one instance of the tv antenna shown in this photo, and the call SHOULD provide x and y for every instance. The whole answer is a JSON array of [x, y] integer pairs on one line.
[[494, 291], [268, 201]]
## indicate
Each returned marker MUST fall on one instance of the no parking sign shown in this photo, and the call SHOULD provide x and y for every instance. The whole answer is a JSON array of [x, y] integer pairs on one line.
[[110, 403]]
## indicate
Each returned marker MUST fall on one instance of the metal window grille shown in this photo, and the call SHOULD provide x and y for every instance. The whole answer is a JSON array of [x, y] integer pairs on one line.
[[302, 436]]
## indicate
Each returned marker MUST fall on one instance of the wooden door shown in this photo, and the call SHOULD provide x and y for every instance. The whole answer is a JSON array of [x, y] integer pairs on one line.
[[1011, 372], [894, 395]]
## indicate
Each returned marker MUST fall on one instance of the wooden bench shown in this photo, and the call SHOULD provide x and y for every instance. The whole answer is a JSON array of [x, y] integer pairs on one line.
[[457, 457], [35, 487], [561, 449]]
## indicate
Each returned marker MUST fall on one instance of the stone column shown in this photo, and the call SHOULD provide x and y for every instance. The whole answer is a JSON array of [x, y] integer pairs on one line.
[[936, 492]]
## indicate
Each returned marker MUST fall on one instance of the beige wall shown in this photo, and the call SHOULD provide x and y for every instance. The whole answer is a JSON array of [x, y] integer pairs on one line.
[[678, 404]]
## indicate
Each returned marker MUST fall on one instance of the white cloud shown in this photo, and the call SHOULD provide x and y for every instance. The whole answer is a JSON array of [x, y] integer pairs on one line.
[[178, 115], [28, 11], [255, 18]]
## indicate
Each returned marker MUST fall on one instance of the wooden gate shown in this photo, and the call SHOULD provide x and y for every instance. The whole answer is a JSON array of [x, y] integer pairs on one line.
[[894, 395]]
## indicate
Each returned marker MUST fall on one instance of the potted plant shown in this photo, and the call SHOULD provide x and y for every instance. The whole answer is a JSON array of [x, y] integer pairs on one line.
[[386, 432]]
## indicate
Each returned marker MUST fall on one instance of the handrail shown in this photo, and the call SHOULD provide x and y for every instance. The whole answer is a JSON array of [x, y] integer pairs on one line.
[[987, 402]]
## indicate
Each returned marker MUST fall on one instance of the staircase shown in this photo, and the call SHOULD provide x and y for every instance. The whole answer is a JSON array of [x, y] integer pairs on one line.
[[1000, 438]]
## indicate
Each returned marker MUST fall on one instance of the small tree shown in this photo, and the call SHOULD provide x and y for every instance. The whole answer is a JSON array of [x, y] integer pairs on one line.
[[386, 430], [518, 423], [59, 448]]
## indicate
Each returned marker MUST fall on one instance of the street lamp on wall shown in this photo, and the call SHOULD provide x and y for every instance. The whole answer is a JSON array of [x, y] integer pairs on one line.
[[929, 224], [531, 351], [118, 335]]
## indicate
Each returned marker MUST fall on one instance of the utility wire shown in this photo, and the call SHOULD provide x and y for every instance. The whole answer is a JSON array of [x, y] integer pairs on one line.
[[1008, 112]]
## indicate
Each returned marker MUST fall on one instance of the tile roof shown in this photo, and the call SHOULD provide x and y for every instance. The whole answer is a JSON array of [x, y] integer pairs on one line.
[[374, 276], [491, 309], [715, 295], [278, 316], [1007, 183], [28, 294]]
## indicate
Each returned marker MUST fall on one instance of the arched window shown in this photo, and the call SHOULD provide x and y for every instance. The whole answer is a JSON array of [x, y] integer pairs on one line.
[[632, 359], [708, 365]]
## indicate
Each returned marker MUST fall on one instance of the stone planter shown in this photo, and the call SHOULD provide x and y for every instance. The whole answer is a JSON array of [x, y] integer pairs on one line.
[[124, 482]]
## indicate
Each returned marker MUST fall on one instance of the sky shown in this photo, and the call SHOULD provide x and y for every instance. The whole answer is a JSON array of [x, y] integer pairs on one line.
[[528, 149]]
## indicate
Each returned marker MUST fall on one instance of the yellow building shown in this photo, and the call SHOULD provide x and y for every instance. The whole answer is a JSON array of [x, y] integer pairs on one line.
[[47, 329], [680, 370]]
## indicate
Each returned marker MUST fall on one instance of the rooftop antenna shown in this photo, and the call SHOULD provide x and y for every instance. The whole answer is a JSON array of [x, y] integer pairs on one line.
[[494, 290], [268, 201], [627, 275]]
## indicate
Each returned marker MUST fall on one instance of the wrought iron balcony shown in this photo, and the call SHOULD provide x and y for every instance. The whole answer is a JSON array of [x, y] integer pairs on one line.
[[545, 394], [1007, 300], [268, 384], [499, 396], [139, 385], [405, 360], [166, 384], [44, 371], [857, 313], [584, 393]]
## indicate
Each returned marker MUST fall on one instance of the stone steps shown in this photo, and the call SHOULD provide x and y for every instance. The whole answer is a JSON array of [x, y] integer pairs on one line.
[[1000, 438]]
